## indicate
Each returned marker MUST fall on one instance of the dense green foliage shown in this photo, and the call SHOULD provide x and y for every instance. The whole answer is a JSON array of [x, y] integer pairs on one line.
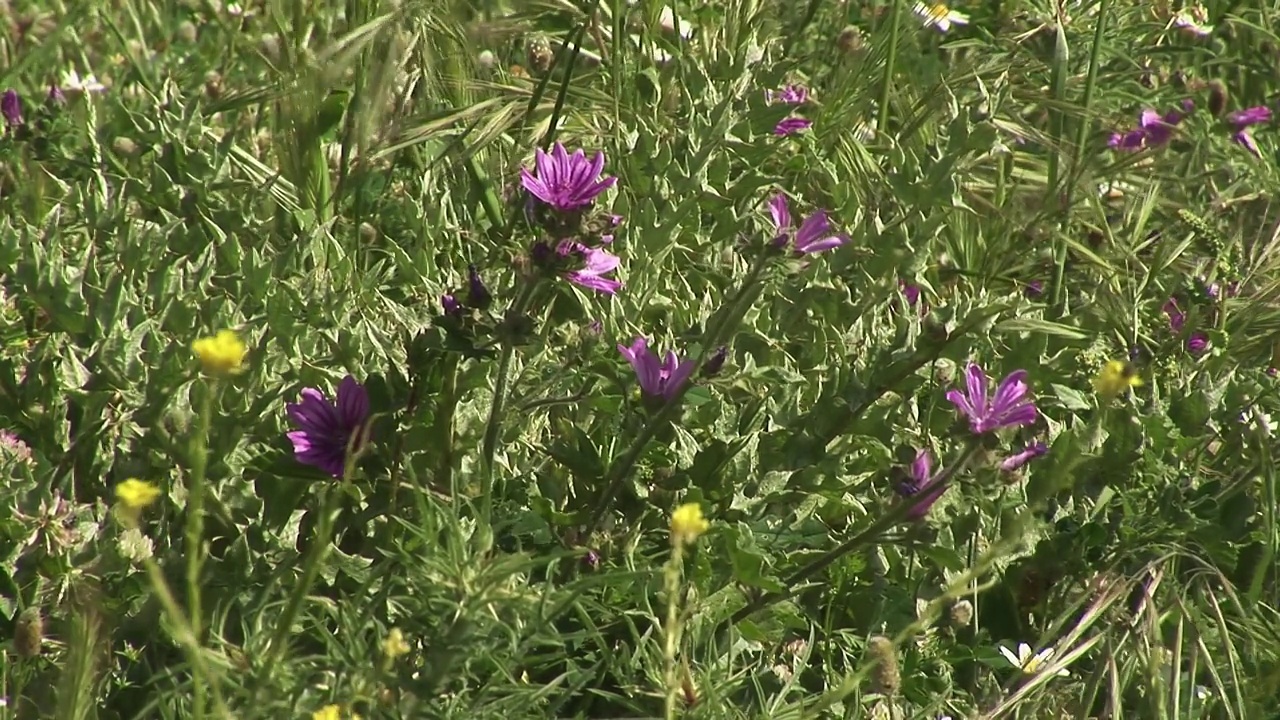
[[494, 537]]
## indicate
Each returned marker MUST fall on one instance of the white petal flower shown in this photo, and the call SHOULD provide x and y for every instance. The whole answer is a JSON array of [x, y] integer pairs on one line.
[[938, 15], [72, 82], [1030, 662]]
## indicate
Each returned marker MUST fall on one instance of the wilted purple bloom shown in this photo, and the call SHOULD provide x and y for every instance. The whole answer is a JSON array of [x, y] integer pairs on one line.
[[1153, 129], [477, 294], [814, 234], [326, 428], [1034, 289], [791, 125], [715, 363], [55, 98], [596, 264], [591, 560], [923, 487], [658, 378], [788, 95], [1011, 406], [451, 306], [564, 181], [1017, 460], [11, 108], [1197, 344]]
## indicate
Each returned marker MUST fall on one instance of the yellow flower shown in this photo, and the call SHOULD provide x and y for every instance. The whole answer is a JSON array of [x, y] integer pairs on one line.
[[1115, 378], [394, 645], [331, 712], [687, 523], [136, 494], [222, 354]]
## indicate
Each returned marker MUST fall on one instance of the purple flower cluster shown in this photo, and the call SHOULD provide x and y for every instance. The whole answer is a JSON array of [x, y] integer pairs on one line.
[[1011, 406], [567, 186], [789, 95], [1197, 342], [1153, 130]]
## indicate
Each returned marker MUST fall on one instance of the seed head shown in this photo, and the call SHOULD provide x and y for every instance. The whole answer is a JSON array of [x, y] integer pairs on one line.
[[886, 678]]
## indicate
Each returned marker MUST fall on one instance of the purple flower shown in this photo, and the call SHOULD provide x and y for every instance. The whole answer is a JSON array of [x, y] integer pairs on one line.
[[1197, 344], [11, 108], [1153, 130], [788, 95], [814, 234], [922, 487], [596, 264], [326, 428], [12, 445], [1033, 290], [591, 560], [910, 292], [1245, 139], [55, 98], [451, 306], [1017, 460], [564, 181], [1011, 406], [1241, 119], [791, 126], [663, 379], [478, 295]]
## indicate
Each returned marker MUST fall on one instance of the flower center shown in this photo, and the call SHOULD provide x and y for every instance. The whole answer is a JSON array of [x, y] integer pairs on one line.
[[939, 11]]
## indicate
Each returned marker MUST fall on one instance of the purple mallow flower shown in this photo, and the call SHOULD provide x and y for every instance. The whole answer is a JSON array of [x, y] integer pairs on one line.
[[1017, 460], [923, 487], [596, 264], [326, 428], [791, 126], [566, 182], [1177, 318], [814, 234], [451, 306], [1197, 344], [910, 292], [658, 378], [1242, 120], [11, 108], [787, 95], [1011, 406], [1153, 129]]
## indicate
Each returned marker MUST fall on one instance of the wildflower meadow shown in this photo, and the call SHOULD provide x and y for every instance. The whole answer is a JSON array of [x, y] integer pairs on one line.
[[622, 359]]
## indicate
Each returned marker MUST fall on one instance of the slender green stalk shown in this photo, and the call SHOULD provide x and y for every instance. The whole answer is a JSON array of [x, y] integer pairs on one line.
[[621, 468], [1057, 129], [493, 425], [671, 629], [195, 528], [886, 521], [319, 549], [890, 61]]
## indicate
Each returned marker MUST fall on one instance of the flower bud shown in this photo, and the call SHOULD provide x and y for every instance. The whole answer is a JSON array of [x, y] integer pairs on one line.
[[28, 632], [1218, 97], [961, 613], [539, 55], [478, 295], [886, 678], [715, 363]]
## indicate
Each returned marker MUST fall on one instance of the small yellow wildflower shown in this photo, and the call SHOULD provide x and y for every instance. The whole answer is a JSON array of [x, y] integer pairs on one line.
[[1115, 378], [136, 494], [331, 712], [687, 523], [394, 645], [938, 15], [222, 354]]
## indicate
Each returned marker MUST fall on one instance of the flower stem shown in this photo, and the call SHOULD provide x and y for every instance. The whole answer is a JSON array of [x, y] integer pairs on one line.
[[195, 530], [671, 629], [886, 89], [886, 521], [493, 426], [621, 468]]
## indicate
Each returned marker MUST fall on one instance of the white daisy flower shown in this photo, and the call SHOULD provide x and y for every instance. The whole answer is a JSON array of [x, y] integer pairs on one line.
[[940, 16], [72, 82], [1030, 662]]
